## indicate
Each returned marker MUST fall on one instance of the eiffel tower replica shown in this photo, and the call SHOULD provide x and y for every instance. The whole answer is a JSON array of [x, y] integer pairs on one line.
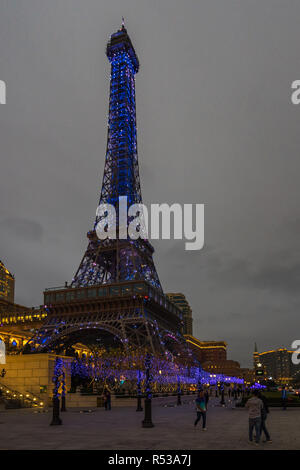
[[115, 296]]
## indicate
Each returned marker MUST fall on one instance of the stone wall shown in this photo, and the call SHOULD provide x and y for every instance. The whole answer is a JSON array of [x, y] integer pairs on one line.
[[33, 373]]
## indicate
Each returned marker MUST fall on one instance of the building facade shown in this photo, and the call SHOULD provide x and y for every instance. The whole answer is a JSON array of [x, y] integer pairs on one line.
[[17, 322], [207, 351], [181, 302], [7, 284], [226, 367], [277, 364]]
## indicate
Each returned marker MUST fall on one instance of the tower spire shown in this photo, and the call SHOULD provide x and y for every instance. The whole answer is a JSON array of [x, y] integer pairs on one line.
[[120, 259]]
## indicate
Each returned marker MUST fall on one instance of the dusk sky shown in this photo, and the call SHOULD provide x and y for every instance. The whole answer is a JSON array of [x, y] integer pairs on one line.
[[216, 126]]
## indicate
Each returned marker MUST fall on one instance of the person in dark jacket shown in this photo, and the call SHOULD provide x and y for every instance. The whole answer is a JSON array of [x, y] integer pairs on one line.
[[264, 414]]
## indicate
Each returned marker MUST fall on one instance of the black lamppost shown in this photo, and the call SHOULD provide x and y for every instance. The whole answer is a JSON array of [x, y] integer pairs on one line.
[[178, 391], [147, 422], [63, 403], [55, 416], [56, 379], [63, 393], [199, 379], [139, 393], [222, 402]]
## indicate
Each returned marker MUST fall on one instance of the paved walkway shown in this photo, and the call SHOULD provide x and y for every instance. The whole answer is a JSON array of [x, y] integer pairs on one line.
[[121, 428]]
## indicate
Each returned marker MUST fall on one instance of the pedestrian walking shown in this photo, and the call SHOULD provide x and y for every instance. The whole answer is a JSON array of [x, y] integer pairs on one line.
[[284, 398], [201, 410], [264, 415], [255, 406]]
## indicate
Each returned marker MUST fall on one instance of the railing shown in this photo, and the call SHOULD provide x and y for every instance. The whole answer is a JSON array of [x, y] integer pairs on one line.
[[15, 399], [32, 315], [131, 288], [58, 288]]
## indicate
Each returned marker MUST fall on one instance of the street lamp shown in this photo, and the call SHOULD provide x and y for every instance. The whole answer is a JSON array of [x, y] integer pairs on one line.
[[199, 387], [178, 391], [139, 393], [63, 393], [222, 402], [147, 421], [55, 400]]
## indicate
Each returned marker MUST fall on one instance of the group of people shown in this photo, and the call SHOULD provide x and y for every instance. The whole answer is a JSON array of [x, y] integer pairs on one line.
[[257, 407], [237, 392], [258, 411]]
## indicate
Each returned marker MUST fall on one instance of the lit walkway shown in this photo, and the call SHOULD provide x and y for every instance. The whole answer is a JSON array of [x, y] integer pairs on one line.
[[121, 429]]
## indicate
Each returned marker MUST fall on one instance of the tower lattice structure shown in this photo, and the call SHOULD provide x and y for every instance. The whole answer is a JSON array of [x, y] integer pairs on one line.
[[118, 260], [115, 295]]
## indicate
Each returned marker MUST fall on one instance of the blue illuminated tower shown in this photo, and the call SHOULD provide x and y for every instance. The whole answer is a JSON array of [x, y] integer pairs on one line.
[[115, 295], [110, 261], [121, 172]]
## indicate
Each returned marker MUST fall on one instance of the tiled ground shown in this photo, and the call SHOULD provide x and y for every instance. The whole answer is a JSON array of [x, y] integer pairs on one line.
[[121, 429]]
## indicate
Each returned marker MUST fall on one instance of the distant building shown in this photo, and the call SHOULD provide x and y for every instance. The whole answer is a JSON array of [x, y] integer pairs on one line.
[[259, 369], [181, 302], [226, 367], [255, 357], [213, 351], [277, 364], [7, 284], [212, 356], [248, 375], [17, 322]]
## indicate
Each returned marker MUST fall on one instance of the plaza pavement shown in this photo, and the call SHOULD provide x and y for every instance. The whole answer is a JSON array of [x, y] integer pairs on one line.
[[121, 428]]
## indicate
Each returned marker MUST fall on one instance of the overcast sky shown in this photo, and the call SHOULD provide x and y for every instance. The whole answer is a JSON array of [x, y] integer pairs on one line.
[[215, 125]]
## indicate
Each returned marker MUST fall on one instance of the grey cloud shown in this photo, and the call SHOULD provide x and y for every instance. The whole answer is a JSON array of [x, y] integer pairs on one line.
[[27, 230], [277, 273], [278, 277]]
